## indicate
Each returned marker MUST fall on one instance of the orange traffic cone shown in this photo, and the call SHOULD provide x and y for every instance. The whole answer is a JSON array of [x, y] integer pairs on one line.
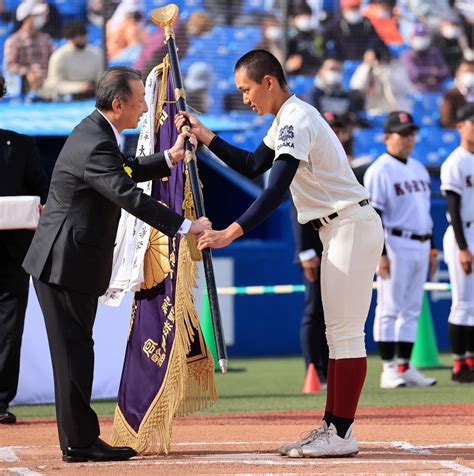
[[311, 382]]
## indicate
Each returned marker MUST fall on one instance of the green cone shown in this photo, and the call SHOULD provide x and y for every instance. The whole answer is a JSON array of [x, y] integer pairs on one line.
[[425, 351], [207, 329]]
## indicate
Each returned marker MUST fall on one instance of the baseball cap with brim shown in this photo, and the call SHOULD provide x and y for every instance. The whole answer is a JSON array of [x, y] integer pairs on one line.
[[465, 113], [27, 8], [399, 121]]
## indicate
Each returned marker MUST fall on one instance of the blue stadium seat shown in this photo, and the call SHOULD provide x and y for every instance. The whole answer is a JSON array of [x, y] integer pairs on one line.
[[300, 85], [94, 34], [69, 8], [348, 68], [368, 142], [426, 108]]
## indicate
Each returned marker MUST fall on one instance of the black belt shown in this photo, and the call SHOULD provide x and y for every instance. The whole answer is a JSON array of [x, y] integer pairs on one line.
[[319, 222], [409, 235]]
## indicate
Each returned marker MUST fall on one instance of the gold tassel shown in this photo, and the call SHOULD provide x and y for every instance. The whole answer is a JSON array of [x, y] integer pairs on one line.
[[190, 213]]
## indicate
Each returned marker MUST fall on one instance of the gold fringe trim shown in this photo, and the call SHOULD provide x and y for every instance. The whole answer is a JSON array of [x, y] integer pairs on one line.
[[190, 213], [187, 387]]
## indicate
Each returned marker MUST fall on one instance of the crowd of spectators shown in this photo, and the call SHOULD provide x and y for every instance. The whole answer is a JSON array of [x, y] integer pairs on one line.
[[365, 57]]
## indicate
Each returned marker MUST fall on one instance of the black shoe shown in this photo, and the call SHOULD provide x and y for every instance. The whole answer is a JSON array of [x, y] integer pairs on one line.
[[7, 418], [465, 375], [98, 451]]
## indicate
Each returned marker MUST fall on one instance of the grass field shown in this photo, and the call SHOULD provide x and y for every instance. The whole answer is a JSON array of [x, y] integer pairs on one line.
[[274, 384]]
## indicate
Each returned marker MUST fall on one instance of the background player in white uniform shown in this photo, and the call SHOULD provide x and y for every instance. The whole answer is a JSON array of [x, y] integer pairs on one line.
[[304, 154], [399, 188], [457, 183]]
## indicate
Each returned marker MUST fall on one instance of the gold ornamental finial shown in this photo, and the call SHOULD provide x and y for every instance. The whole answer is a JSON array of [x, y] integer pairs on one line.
[[166, 15]]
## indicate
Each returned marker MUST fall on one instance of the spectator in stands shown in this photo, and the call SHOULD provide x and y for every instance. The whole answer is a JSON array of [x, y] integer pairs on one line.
[[197, 83], [424, 63], [451, 41], [382, 81], [328, 92], [467, 15], [126, 29], [28, 50], [351, 34], [198, 23], [54, 22], [75, 67], [306, 46], [272, 37], [343, 125], [382, 16], [459, 95]]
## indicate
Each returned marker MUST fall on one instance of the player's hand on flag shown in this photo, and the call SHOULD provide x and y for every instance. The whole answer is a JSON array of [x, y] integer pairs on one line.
[[200, 226], [178, 151], [465, 258], [202, 133], [383, 269], [220, 238]]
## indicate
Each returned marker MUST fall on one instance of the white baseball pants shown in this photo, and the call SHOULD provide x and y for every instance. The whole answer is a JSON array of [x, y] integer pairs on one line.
[[400, 296], [352, 245], [462, 307]]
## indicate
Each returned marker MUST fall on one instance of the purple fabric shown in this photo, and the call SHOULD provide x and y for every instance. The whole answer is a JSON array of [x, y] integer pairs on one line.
[[141, 376], [426, 69]]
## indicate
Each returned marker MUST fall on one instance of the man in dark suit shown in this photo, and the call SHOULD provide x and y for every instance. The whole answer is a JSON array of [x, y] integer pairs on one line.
[[21, 175], [313, 330], [70, 257]]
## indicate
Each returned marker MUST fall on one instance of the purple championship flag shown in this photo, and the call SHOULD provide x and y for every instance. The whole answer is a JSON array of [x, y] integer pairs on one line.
[[168, 369]]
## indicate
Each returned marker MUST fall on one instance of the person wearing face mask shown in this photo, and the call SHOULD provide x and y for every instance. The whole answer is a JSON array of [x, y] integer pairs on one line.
[[273, 37], [75, 67], [27, 51], [451, 41], [306, 46], [424, 63], [381, 14], [459, 95], [328, 93], [351, 34]]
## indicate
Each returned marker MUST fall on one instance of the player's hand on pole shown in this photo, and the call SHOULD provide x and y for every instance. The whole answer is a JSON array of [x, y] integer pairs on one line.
[[310, 268], [433, 266], [199, 226], [383, 269], [220, 238], [178, 151], [202, 133], [465, 258]]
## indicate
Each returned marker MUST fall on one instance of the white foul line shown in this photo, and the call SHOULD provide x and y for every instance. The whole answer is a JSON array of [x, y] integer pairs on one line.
[[7, 454], [24, 472]]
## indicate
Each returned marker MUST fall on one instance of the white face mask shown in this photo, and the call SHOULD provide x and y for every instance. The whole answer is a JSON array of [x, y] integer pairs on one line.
[[273, 33], [420, 43], [467, 80], [382, 14], [303, 23], [450, 32], [39, 22], [352, 16], [333, 78]]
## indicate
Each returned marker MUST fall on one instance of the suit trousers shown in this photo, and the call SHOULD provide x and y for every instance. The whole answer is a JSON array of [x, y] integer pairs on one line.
[[313, 330], [14, 284], [69, 317]]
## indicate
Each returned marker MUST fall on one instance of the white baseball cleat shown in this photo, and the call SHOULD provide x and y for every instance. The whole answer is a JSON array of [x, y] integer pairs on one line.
[[283, 450], [390, 378], [414, 378], [327, 444]]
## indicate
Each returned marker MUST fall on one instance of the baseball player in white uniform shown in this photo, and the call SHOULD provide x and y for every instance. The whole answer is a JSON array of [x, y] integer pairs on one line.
[[457, 183], [303, 154], [399, 188]]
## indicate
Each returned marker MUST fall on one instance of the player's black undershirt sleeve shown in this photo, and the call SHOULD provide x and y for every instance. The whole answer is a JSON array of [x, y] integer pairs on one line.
[[384, 251], [454, 210], [250, 164], [281, 174]]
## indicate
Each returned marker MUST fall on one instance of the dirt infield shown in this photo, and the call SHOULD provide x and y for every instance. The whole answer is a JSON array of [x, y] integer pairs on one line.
[[409, 440]]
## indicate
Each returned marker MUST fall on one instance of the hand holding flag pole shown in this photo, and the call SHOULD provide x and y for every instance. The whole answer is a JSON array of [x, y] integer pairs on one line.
[[165, 17]]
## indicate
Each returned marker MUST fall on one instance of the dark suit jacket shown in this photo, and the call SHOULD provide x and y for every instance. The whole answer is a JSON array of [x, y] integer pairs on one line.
[[74, 243], [21, 174]]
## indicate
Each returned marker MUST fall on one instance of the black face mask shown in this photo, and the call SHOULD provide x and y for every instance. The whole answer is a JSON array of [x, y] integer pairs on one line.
[[79, 46]]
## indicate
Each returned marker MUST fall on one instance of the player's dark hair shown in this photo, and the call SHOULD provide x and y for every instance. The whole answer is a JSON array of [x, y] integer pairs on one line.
[[259, 63], [115, 84]]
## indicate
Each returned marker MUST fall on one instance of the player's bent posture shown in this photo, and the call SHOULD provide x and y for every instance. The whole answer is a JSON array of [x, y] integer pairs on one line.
[[457, 183], [304, 154], [399, 188]]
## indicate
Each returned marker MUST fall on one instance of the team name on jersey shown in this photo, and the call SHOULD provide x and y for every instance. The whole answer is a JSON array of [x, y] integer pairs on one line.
[[411, 186], [286, 137]]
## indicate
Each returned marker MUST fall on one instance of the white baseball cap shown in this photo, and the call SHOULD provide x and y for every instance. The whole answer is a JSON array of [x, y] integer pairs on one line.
[[30, 7]]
